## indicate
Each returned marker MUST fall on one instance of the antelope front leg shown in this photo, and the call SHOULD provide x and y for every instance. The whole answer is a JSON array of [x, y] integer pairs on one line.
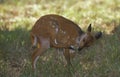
[[67, 56]]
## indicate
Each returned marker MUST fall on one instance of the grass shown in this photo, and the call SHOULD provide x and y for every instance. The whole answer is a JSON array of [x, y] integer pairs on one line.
[[100, 60]]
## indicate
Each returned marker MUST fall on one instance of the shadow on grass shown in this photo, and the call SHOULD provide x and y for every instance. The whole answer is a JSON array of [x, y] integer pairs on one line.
[[14, 52], [99, 60]]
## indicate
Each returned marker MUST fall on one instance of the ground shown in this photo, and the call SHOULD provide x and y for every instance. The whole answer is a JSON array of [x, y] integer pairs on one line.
[[102, 59]]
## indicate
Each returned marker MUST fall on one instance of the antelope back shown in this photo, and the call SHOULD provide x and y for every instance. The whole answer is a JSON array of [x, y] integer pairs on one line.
[[62, 33], [59, 30]]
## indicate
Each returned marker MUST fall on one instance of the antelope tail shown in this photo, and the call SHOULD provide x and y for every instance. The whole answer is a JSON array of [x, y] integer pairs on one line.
[[34, 42]]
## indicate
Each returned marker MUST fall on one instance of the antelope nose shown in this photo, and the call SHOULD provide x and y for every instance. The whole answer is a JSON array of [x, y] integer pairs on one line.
[[98, 35]]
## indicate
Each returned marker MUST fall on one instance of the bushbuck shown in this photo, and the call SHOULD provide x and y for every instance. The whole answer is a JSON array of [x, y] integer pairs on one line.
[[60, 33]]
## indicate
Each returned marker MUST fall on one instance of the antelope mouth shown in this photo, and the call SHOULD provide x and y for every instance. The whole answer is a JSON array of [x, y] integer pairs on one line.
[[80, 48]]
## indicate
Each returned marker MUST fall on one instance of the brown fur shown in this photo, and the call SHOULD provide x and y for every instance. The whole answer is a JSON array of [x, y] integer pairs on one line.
[[58, 32]]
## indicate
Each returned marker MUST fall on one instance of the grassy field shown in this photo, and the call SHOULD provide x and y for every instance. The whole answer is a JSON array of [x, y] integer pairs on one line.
[[100, 60]]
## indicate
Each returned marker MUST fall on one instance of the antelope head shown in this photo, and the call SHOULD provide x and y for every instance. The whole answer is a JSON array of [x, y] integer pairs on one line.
[[88, 38]]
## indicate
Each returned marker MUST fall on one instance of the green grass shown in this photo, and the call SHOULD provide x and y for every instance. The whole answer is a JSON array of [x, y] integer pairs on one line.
[[100, 60]]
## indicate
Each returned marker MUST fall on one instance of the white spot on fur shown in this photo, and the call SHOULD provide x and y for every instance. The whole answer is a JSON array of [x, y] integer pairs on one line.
[[56, 29], [55, 41], [64, 32]]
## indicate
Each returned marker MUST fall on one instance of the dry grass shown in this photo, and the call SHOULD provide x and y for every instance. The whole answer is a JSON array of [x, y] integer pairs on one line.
[[100, 60]]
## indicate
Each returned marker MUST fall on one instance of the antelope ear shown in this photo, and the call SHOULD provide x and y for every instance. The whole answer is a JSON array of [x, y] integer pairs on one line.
[[89, 28]]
